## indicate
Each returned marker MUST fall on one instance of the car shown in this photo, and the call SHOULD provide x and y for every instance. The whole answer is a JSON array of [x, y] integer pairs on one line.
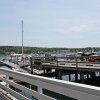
[[94, 58]]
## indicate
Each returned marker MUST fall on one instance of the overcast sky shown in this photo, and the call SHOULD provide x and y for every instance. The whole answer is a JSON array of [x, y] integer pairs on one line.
[[50, 23]]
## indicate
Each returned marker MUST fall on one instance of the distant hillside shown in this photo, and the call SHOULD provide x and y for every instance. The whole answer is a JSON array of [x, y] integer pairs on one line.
[[17, 49]]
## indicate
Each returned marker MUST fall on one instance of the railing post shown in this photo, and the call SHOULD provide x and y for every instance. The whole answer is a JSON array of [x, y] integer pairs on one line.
[[7, 78], [7, 85], [40, 91]]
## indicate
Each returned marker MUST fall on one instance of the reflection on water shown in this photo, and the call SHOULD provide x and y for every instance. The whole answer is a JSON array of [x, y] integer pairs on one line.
[[28, 96], [49, 93]]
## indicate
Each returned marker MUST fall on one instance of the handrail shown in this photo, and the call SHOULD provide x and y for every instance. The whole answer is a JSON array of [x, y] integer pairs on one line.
[[70, 89]]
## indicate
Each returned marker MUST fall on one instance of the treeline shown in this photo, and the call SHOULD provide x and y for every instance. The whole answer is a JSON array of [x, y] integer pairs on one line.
[[18, 49], [28, 50]]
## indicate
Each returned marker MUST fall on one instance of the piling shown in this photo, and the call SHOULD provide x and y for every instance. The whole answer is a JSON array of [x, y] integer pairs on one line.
[[82, 77], [31, 65], [69, 77], [76, 76]]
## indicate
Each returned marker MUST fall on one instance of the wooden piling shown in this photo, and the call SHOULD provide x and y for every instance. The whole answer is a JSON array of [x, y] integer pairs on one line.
[[31, 65], [87, 75], [69, 77], [93, 75], [82, 77], [76, 76]]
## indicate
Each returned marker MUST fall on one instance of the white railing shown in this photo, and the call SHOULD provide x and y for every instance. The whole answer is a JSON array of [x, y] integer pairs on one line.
[[70, 89]]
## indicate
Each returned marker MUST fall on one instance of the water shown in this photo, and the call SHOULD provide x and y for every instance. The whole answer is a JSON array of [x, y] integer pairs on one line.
[[4, 57], [28, 96], [49, 93]]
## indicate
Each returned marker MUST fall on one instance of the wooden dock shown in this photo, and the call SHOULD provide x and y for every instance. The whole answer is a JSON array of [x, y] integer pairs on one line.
[[60, 65], [72, 66], [13, 66], [79, 69]]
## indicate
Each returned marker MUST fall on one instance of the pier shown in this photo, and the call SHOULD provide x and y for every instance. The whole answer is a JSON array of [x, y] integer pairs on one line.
[[63, 89], [74, 91]]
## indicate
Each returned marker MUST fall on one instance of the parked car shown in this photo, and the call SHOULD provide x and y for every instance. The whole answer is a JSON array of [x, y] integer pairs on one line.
[[94, 58]]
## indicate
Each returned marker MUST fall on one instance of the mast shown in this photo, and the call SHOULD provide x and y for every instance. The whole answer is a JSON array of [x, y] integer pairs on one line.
[[22, 36]]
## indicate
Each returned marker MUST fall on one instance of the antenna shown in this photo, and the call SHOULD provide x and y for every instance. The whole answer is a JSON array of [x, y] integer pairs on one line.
[[22, 36]]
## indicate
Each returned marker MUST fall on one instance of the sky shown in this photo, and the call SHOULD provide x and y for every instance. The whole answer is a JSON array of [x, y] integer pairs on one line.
[[50, 23]]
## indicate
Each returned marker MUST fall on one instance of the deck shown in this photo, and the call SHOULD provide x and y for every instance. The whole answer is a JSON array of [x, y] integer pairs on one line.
[[73, 66], [4, 97]]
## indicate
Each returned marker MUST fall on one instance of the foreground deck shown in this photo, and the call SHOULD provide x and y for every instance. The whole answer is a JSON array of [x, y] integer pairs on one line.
[[4, 97]]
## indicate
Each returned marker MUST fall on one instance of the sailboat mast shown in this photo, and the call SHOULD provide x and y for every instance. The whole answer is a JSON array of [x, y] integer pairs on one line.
[[22, 36]]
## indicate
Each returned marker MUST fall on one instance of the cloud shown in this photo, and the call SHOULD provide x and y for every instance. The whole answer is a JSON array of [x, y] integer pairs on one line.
[[80, 28]]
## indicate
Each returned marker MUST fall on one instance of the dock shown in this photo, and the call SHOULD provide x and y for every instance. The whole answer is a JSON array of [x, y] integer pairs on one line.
[[73, 66], [13, 66], [65, 89]]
